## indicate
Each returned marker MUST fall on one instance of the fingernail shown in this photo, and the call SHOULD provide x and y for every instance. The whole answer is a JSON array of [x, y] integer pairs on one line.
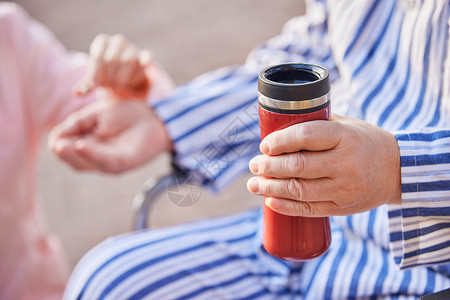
[[273, 203], [253, 165], [253, 185], [83, 88], [264, 147]]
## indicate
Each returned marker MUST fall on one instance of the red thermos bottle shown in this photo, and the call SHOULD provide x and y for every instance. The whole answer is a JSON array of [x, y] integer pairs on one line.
[[289, 94]]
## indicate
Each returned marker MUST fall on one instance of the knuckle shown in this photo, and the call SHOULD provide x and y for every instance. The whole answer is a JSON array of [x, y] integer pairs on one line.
[[119, 38], [295, 163], [275, 141], [304, 209], [304, 131], [101, 37], [264, 165], [295, 189], [265, 187]]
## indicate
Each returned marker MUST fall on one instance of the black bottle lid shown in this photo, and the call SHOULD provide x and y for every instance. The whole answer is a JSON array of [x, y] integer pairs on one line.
[[294, 87]]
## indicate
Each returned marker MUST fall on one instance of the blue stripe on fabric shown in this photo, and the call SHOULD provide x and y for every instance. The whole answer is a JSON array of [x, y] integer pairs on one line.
[[181, 91], [377, 42], [437, 111], [350, 222], [443, 185], [424, 231], [394, 213], [378, 287], [426, 60], [426, 212], [423, 137], [396, 236], [427, 250], [371, 223], [212, 120], [177, 276], [334, 267], [431, 282], [385, 77], [403, 289], [212, 99], [115, 257], [423, 160], [365, 19], [353, 291]]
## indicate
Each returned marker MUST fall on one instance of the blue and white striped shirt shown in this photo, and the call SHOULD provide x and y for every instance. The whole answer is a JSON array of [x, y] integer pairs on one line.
[[390, 65]]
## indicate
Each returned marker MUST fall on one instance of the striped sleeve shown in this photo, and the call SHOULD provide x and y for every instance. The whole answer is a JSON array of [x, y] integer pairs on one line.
[[420, 226], [213, 123], [213, 120]]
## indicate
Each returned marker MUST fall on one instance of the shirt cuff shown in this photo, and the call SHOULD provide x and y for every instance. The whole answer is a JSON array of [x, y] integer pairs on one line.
[[420, 226]]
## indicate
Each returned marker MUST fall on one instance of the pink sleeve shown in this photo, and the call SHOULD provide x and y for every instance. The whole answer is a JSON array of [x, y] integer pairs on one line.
[[48, 71]]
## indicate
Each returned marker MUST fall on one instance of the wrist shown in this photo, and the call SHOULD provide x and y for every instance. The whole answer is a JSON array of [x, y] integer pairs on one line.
[[165, 142], [396, 171]]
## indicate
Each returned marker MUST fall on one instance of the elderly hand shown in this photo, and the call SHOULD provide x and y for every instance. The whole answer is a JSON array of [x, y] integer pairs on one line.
[[110, 136], [323, 168], [118, 65]]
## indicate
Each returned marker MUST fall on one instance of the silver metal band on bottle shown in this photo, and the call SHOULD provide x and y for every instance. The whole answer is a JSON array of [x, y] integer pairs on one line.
[[292, 105]]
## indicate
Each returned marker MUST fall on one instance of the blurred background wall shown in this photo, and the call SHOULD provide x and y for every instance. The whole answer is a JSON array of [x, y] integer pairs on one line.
[[187, 37]]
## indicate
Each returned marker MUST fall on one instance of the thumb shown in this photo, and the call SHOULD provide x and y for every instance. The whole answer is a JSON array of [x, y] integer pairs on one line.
[[77, 123], [103, 156]]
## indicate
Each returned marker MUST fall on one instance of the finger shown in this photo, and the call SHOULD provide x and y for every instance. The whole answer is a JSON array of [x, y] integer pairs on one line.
[[97, 50], [129, 66], [105, 157], [312, 190], [75, 124], [299, 208], [65, 150], [117, 43], [138, 80], [305, 164], [313, 136], [145, 57]]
